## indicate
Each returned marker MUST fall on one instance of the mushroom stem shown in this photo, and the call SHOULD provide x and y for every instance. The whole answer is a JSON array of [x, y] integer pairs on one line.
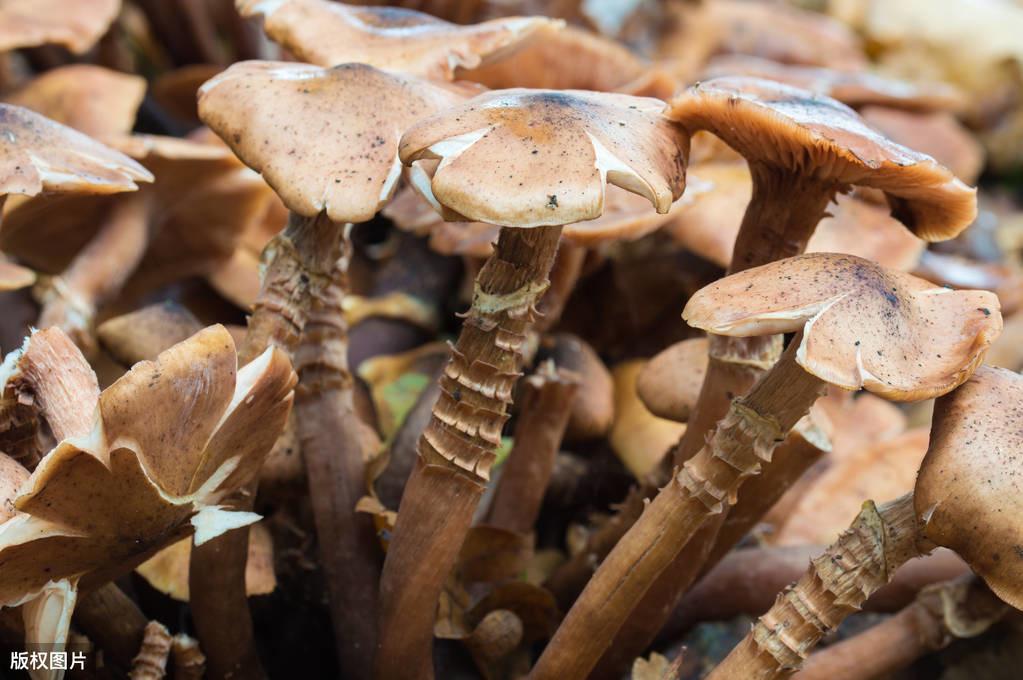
[[98, 271], [861, 561], [790, 460], [747, 580], [113, 622], [700, 491], [543, 416], [458, 446], [328, 431], [940, 614], [219, 601], [151, 661]]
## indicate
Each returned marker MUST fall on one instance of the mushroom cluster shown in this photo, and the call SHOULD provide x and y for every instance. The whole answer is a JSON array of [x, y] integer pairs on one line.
[[345, 341]]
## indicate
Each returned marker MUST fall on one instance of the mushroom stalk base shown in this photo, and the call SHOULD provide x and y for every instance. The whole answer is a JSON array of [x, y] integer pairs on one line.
[[219, 602], [702, 490], [113, 622], [861, 561], [458, 447], [329, 435]]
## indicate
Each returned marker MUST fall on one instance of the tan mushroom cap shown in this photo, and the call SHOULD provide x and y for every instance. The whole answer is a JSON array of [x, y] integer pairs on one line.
[[639, 438], [105, 499], [968, 492], [863, 326], [570, 59], [785, 34], [143, 333], [669, 385], [324, 139], [778, 125], [710, 225], [15, 277], [37, 155], [937, 134], [74, 24], [393, 38], [12, 476], [91, 99], [855, 88], [885, 469], [529, 158]]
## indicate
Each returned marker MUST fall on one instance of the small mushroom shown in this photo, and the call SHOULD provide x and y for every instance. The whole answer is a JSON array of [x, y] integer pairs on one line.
[[639, 438], [910, 340], [144, 333], [76, 25], [392, 38], [669, 384]]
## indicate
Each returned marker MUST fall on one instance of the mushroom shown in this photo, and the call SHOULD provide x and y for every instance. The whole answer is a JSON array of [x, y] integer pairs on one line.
[[638, 437], [910, 340], [592, 411], [965, 498], [75, 25], [110, 494], [669, 384], [530, 161], [391, 38], [91, 99], [855, 88], [326, 140]]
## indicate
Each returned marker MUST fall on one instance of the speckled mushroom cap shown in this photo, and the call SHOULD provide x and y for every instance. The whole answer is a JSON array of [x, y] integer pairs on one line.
[[782, 126], [393, 38], [91, 99], [37, 154], [324, 139], [969, 491], [74, 24], [855, 88], [529, 158], [892, 333]]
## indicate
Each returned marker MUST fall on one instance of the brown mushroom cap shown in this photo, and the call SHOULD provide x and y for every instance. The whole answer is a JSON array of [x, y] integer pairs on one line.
[[793, 129], [393, 38], [528, 158], [91, 99], [74, 24], [855, 88], [710, 225], [669, 385], [324, 139], [968, 492], [12, 476], [41, 155], [570, 59], [863, 326]]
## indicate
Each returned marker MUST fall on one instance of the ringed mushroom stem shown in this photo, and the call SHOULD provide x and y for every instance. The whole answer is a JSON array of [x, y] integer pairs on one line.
[[328, 431], [98, 271], [940, 614], [113, 622], [458, 446], [698, 493], [219, 601], [861, 561], [759, 493], [543, 416]]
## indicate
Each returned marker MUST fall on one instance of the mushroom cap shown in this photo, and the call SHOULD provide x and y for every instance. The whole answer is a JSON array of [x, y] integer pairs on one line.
[[855, 88], [91, 99], [12, 476], [15, 277], [529, 158], [144, 333], [670, 383], [863, 326], [570, 59], [592, 411], [168, 440], [324, 139], [710, 225], [41, 155], [797, 131], [968, 492], [639, 438], [74, 24], [393, 38]]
